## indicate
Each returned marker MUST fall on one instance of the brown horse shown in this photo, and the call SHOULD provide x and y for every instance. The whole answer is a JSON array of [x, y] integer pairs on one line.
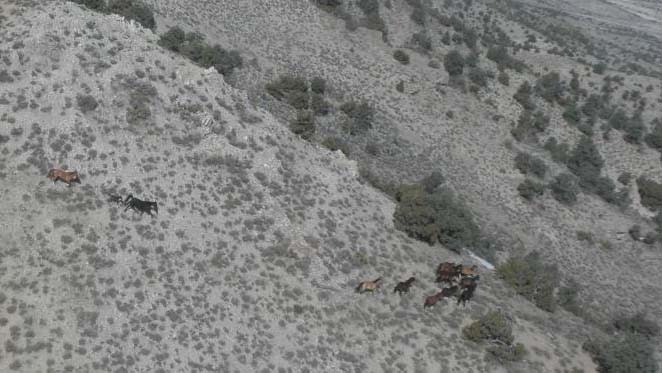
[[403, 287], [368, 286], [448, 272], [68, 177], [444, 293]]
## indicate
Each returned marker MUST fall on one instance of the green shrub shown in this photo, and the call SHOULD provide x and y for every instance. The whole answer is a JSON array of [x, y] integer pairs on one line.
[[432, 181], [422, 40], [571, 114], [86, 103], [360, 116], [625, 178], [479, 76], [454, 63], [530, 189], [335, 143], [559, 152], [495, 328], [529, 125], [528, 164], [319, 105], [435, 217], [637, 324], [504, 78], [532, 279], [318, 85], [654, 138], [599, 68], [523, 96], [650, 193], [586, 162], [626, 353], [634, 129], [401, 56], [567, 295], [98, 5], [134, 10], [499, 54], [173, 39], [193, 47], [550, 87], [304, 124], [565, 188]]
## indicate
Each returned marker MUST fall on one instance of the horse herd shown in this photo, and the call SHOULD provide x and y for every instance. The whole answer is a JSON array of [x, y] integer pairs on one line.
[[462, 282], [131, 202]]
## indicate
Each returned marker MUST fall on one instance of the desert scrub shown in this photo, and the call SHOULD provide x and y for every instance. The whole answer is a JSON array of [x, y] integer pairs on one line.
[[98, 5], [495, 328], [401, 56], [550, 87], [435, 217], [532, 279], [193, 46]]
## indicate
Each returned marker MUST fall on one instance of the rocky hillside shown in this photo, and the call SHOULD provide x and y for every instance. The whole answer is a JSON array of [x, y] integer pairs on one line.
[[262, 236]]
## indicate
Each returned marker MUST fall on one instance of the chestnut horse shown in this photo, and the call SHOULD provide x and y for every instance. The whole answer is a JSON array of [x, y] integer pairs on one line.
[[445, 292], [469, 271], [368, 286], [68, 177]]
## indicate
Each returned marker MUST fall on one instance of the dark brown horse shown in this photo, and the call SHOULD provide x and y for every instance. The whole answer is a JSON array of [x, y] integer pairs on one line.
[[448, 272], [68, 177], [467, 282], [403, 287], [368, 286], [444, 293]]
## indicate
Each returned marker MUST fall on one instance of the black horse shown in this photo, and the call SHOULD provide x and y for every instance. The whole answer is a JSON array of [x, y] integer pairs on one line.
[[140, 206], [403, 287], [467, 293]]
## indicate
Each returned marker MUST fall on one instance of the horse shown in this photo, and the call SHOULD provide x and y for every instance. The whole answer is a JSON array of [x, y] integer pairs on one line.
[[140, 206], [368, 286], [467, 294], [469, 271], [444, 293], [403, 287], [467, 282], [68, 177], [448, 271]]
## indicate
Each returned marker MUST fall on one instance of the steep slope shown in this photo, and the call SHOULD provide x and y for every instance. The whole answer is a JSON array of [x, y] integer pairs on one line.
[[260, 239], [473, 146]]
